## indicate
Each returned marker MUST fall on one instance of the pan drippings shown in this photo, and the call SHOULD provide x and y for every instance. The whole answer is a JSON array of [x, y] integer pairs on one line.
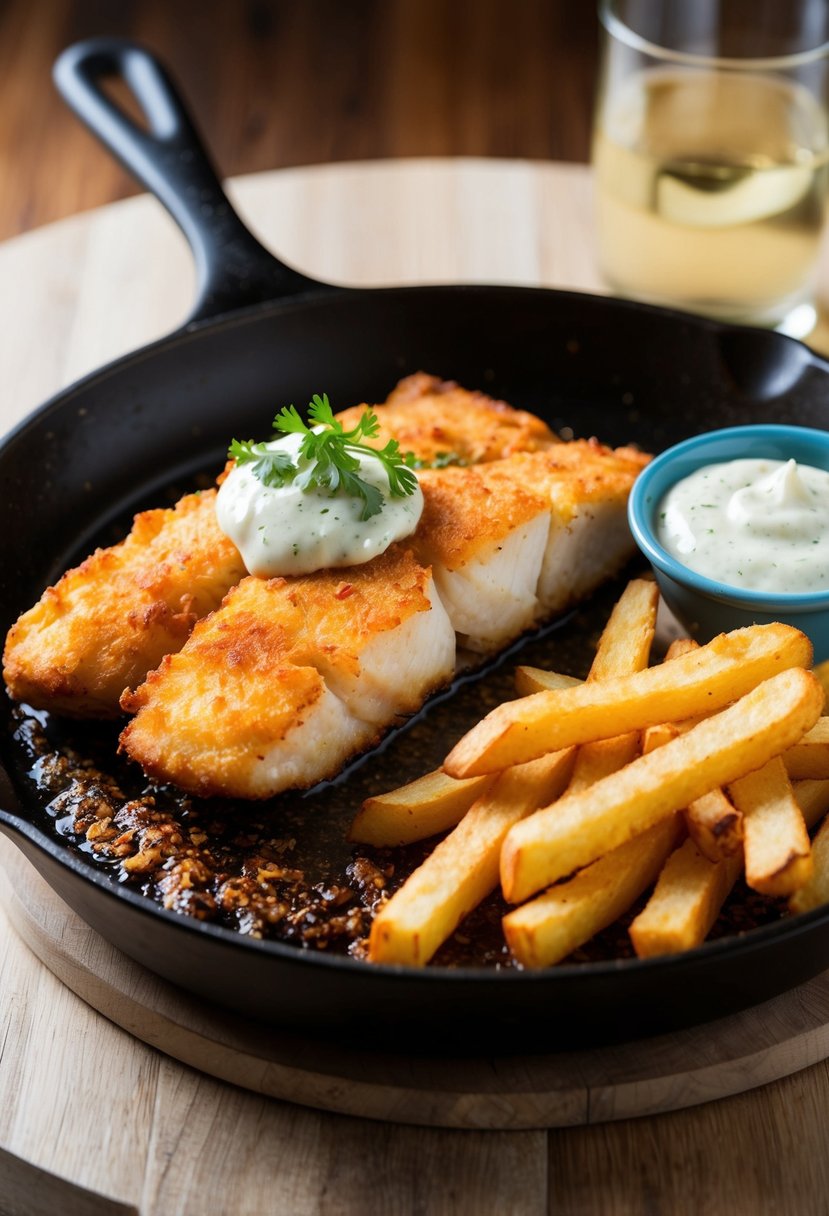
[[283, 870]]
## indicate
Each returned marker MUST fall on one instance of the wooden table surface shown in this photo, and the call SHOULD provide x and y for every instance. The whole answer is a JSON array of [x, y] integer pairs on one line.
[[76, 294], [278, 83]]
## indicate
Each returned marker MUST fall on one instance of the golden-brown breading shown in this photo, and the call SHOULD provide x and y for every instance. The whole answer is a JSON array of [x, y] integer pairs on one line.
[[433, 417], [523, 537], [111, 619], [484, 533], [587, 486], [373, 640], [291, 677]]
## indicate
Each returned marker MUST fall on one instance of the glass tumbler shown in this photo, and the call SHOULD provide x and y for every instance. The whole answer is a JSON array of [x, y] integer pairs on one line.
[[710, 152]]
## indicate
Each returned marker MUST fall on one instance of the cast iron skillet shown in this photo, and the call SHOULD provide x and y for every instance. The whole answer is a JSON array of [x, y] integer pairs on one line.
[[261, 334]]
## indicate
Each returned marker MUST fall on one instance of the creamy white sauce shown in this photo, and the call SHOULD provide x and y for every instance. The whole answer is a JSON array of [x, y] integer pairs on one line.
[[758, 524], [288, 530]]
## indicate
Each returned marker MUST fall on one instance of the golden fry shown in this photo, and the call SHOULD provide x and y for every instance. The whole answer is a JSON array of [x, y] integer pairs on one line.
[[658, 735], [685, 903], [701, 681], [626, 647], [715, 825], [821, 670], [692, 888], [550, 927], [809, 759], [813, 799], [815, 893], [776, 845], [581, 827], [463, 868], [713, 822], [542, 680], [597, 760], [434, 803], [628, 635]]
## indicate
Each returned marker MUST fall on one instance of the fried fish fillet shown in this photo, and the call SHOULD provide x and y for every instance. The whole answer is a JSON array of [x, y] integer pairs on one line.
[[107, 622], [292, 677], [586, 486], [520, 539], [216, 718], [484, 533], [110, 621], [437, 418]]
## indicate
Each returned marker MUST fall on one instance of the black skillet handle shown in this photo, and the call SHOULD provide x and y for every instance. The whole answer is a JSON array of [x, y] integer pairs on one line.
[[233, 269]]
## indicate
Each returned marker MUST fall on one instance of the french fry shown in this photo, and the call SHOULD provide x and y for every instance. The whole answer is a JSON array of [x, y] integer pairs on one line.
[[547, 929], [658, 735], [685, 903], [715, 825], [463, 868], [597, 760], [629, 635], [629, 631], [626, 640], [809, 759], [815, 892], [679, 647], [813, 799], [692, 888], [434, 803], [778, 858], [581, 827], [821, 670], [542, 681], [713, 822], [431, 804], [699, 682], [550, 927]]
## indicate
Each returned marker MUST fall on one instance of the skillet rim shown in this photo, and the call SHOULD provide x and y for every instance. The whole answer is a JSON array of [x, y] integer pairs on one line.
[[319, 295]]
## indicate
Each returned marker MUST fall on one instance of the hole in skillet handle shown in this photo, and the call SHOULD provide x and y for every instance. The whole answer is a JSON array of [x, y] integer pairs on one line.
[[168, 157]]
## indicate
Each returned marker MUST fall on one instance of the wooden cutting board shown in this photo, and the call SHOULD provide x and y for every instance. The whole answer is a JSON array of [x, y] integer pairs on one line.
[[92, 1119], [508, 1092]]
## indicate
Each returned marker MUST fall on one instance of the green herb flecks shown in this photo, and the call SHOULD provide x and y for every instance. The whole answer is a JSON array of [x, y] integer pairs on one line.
[[441, 460], [272, 468], [329, 453]]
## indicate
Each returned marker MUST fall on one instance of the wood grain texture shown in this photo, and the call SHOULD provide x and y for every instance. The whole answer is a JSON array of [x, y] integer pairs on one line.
[[275, 83], [93, 287], [508, 1092]]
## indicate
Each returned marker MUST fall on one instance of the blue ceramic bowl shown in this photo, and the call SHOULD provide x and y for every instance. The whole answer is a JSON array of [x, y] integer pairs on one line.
[[707, 607]]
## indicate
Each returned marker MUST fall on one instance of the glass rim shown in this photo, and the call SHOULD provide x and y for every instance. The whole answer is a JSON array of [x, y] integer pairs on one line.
[[616, 27]]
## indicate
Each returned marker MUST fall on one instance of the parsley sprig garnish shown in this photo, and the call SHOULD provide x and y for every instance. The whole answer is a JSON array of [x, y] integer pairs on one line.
[[329, 453]]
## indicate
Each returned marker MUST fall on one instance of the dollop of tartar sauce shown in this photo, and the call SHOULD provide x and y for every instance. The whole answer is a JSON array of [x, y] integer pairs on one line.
[[758, 524], [288, 530]]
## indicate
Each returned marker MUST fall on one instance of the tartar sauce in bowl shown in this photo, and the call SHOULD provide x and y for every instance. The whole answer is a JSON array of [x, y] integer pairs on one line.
[[755, 523], [735, 524]]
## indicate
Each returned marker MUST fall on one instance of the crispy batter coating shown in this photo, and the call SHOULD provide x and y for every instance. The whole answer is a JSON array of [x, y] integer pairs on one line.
[[352, 650], [587, 486], [111, 619], [433, 417], [290, 678], [468, 511], [520, 538]]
